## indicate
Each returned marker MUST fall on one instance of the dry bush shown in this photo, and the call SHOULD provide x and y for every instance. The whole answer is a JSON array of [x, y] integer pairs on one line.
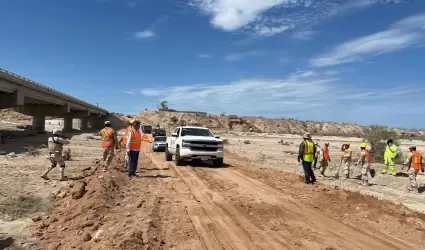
[[225, 141], [247, 142], [376, 136], [174, 119], [31, 150], [284, 142], [260, 158], [22, 206]]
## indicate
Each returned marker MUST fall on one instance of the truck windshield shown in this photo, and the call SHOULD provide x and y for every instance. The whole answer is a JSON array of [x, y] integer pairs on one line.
[[160, 138], [195, 132]]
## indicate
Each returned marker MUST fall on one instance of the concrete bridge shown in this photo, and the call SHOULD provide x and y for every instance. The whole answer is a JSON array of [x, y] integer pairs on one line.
[[36, 100]]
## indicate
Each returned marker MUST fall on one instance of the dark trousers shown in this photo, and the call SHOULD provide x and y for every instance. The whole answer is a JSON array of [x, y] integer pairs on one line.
[[134, 160], [315, 162], [308, 173]]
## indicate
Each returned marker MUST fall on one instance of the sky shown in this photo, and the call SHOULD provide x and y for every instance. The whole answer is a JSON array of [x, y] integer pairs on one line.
[[354, 61]]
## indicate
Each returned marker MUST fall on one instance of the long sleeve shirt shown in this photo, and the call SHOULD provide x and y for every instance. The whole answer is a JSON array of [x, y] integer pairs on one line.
[[301, 150]]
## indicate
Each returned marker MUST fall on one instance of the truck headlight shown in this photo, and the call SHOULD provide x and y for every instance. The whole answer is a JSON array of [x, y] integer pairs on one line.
[[220, 145], [185, 144]]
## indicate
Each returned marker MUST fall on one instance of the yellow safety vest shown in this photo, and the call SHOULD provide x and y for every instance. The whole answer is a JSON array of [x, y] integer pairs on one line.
[[308, 151]]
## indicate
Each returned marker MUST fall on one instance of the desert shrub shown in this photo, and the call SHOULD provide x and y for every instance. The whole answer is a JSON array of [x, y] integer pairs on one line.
[[247, 142], [376, 136], [174, 119], [225, 141], [284, 142], [260, 158]]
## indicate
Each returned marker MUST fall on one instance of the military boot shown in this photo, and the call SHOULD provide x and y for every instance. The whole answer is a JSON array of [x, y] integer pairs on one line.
[[63, 176], [44, 176]]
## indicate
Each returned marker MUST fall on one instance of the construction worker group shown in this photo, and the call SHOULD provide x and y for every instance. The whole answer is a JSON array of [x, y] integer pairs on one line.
[[311, 153]]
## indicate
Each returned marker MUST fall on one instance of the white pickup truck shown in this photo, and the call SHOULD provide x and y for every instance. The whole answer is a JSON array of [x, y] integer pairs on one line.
[[194, 143]]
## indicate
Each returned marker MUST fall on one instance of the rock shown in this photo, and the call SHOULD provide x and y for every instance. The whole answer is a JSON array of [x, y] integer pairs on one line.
[[78, 190], [61, 195], [87, 224], [98, 235], [357, 208], [145, 239], [54, 219], [127, 214], [36, 218], [53, 246], [11, 155], [86, 237], [43, 225], [139, 205]]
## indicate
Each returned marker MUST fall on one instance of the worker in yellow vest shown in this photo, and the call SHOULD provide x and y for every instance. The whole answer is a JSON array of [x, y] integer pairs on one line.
[[391, 153], [109, 143], [306, 154], [134, 142], [414, 164]]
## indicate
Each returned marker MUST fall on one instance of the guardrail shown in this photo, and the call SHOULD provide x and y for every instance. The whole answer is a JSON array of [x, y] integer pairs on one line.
[[58, 93]]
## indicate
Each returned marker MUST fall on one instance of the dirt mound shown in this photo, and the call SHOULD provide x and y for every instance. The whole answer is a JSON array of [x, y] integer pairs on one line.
[[88, 215]]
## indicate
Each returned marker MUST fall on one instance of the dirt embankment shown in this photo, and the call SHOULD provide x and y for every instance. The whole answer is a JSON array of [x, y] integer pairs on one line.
[[239, 206], [226, 123]]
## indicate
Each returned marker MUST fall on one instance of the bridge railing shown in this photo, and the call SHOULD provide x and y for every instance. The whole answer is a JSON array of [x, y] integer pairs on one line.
[[63, 95]]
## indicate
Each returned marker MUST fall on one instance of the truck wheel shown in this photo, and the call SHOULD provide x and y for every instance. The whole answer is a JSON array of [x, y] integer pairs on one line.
[[168, 156], [218, 162], [178, 161]]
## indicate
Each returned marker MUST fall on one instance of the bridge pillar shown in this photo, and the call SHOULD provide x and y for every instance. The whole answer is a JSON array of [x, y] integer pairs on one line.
[[67, 123], [38, 124], [84, 123]]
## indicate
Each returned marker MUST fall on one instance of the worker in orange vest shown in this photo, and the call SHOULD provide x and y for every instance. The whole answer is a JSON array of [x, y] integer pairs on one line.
[[414, 164], [365, 160], [124, 139], [325, 159], [134, 142], [109, 143]]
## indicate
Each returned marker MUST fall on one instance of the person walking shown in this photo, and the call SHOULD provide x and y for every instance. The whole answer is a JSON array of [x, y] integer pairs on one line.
[[414, 164], [55, 145], [365, 161], [306, 156], [124, 142], [325, 159], [391, 153], [346, 158], [109, 143]]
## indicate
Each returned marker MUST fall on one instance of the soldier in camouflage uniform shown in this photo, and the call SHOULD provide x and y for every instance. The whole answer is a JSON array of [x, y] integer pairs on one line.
[[55, 145]]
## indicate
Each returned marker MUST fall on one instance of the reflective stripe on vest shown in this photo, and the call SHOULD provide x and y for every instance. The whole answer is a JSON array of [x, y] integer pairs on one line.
[[136, 139], [107, 137], [308, 151], [326, 153], [417, 160]]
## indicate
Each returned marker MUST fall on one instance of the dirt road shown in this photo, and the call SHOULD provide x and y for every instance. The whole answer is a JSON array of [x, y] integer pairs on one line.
[[238, 206]]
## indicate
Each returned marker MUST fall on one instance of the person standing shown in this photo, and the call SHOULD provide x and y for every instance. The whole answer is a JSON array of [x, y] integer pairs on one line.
[[365, 161], [414, 164], [134, 142], [55, 145], [391, 153], [346, 158], [306, 156], [325, 159], [318, 155], [109, 143]]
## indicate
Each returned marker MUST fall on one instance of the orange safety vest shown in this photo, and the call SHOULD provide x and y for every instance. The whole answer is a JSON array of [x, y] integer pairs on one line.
[[348, 150], [326, 153], [124, 140], [107, 137], [417, 160], [367, 153], [136, 139]]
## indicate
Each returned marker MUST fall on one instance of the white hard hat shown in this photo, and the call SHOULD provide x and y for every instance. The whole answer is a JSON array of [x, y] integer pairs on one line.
[[107, 123], [57, 131]]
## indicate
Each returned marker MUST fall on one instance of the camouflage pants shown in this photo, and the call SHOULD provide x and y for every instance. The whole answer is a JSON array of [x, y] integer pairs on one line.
[[57, 158], [347, 167], [412, 178], [365, 171], [323, 165], [108, 155]]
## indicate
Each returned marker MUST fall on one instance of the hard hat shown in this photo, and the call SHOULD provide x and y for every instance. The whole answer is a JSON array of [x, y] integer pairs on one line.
[[316, 143], [57, 131], [363, 144], [347, 143], [307, 135], [412, 147], [131, 121], [107, 123]]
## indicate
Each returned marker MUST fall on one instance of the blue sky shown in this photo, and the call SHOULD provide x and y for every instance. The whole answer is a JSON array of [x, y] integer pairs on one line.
[[336, 60]]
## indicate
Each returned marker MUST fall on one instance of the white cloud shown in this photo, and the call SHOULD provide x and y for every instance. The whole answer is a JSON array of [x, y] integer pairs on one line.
[[402, 34], [204, 56], [151, 92], [303, 35], [128, 92], [241, 56], [144, 34], [304, 94], [270, 17]]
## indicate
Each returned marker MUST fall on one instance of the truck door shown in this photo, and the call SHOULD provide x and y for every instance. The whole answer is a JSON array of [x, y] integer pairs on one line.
[[173, 139]]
